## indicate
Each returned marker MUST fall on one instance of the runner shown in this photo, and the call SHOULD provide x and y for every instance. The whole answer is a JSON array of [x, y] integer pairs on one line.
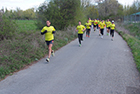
[[112, 26], [88, 27], [108, 23], [95, 24], [99, 27], [102, 26], [80, 28], [90, 21], [49, 37]]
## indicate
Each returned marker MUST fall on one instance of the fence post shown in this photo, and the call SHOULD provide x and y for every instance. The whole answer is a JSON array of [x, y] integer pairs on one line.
[[135, 18], [139, 18]]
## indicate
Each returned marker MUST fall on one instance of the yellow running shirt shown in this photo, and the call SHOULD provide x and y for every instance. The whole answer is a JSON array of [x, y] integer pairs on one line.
[[80, 28], [99, 22], [102, 25], [108, 23], [90, 21], [48, 35], [88, 25], [112, 26], [95, 22]]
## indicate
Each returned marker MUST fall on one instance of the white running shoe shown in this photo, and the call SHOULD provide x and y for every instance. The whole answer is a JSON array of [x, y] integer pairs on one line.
[[47, 59], [52, 53], [112, 39], [102, 36]]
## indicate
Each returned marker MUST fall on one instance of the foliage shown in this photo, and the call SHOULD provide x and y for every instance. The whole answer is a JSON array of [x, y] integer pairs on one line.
[[7, 27], [109, 9], [134, 29], [28, 46], [61, 13], [20, 14], [29, 14], [135, 7], [26, 25], [92, 12], [134, 44]]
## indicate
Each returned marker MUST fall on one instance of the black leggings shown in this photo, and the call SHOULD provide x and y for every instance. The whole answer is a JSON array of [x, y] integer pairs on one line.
[[112, 33], [87, 32], [80, 37], [97, 26], [102, 31]]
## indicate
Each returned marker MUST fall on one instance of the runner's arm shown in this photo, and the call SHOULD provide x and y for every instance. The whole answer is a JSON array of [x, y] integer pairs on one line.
[[42, 33], [53, 32], [84, 29]]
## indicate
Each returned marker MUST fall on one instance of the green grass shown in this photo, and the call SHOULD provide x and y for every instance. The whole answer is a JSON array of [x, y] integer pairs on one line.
[[134, 29], [26, 25], [28, 46], [134, 44]]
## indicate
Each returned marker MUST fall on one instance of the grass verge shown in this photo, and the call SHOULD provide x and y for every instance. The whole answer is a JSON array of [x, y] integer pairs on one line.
[[133, 29], [28, 46], [134, 44]]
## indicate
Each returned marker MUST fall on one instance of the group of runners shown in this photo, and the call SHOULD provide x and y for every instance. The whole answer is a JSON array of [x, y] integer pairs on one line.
[[97, 24], [49, 32]]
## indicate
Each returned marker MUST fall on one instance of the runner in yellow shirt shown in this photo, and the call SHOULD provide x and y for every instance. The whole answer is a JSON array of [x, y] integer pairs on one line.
[[90, 21], [112, 27], [95, 24], [108, 23], [102, 26], [99, 27], [88, 28], [49, 37], [80, 28]]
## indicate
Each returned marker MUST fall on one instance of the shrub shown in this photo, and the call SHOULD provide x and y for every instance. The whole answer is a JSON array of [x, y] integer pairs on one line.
[[7, 27]]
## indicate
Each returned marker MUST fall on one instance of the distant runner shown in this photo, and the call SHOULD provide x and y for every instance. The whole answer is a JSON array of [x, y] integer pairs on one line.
[[112, 26], [102, 26], [80, 28], [90, 21], [99, 27], [49, 37], [108, 23], [88, 28], [95, 24]]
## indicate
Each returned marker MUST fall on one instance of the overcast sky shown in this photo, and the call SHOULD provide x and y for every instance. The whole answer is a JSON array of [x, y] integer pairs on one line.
[[26, 4]]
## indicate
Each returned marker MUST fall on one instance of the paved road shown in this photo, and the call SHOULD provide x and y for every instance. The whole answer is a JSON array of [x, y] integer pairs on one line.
[[99, 66]]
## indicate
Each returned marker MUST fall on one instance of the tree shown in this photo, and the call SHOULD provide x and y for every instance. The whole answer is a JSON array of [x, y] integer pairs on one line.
[[92, 12], [61, 13], [29, 14], [7, 27], [109, 8]]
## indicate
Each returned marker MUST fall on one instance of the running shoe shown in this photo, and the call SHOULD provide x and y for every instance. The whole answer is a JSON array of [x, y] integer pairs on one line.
[[99, 34], [79, 45], [102, 36], [47, 59], [112, 39], [52, 53], [107, 34]]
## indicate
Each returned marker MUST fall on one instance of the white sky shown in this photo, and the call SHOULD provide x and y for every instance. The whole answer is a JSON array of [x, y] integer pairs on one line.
[[26, 4], [126, 2], [22, 4]]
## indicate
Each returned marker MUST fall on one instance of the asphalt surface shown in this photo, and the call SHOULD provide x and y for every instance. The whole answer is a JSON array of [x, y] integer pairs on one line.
[[99, 66]]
